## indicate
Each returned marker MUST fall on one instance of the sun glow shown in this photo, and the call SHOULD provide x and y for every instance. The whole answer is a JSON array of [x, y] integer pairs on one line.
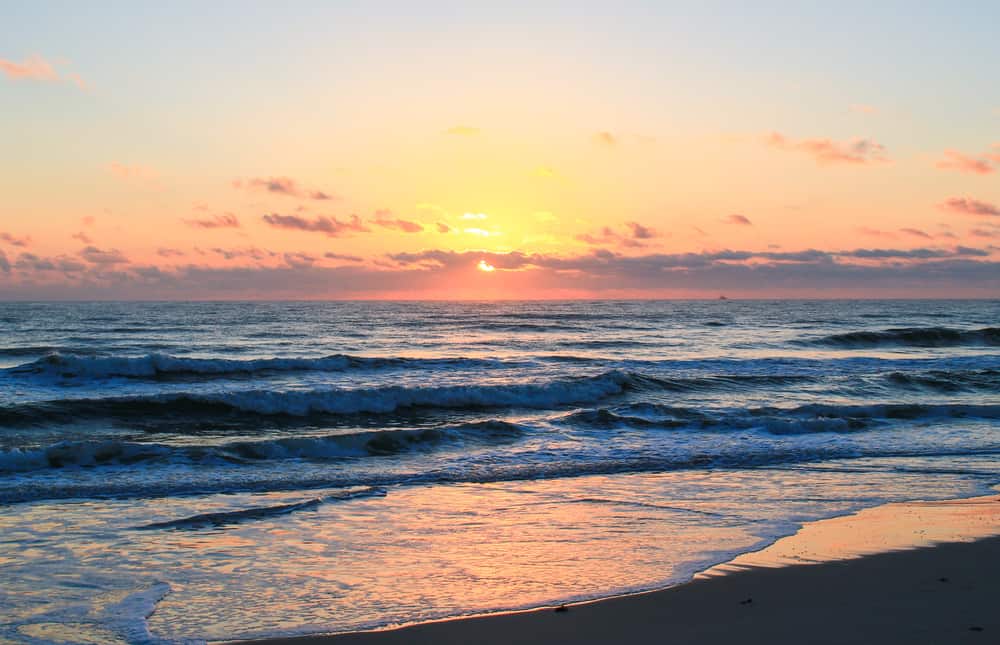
[[485, 266]]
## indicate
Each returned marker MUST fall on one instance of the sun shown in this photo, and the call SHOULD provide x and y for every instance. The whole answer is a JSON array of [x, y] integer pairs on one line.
[[485, 266]]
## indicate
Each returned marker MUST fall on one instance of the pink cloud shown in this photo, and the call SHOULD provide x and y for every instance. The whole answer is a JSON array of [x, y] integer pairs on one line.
[[82, 237], [916, 232], [95, 255], [228, 220], [15, 241], [967, 206], [741, 220], [34, 68], [856, 151], [330, 226], [282, 186], [443, 227], [955, 160], [385, 219]]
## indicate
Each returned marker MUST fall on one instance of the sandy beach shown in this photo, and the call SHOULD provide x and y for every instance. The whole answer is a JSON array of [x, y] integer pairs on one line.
[[918, 572]]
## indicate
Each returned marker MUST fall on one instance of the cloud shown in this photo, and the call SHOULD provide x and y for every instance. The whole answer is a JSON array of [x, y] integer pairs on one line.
[[967, 206], [982, 232], [95, 255], [634, 236], [164, 252], [955, 160], [228, 220], [299, 260], [329, 226], [856, 151], [441, 273], [15, 241], [282, 186], [462, 131], [33, 68], [916, 232], [252, 253], [82, 237], [861, 108], [640, 232], [443, 227], [29, 262], [741, 220], [606, 139], [341, 256], [4, 262], [385, 219]]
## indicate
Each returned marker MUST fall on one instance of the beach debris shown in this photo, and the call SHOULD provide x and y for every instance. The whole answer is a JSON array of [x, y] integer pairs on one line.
[[943, 580], [975, 628], [748, 601], [561, 609]]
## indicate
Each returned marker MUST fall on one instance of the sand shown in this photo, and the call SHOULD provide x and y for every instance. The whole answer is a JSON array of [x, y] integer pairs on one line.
[[921, 572]]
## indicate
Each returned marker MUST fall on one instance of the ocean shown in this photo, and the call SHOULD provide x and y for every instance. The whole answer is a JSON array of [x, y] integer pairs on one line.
[[181, 472]]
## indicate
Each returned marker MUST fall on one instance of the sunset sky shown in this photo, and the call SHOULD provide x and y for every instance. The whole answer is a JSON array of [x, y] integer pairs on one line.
[[440, 150]]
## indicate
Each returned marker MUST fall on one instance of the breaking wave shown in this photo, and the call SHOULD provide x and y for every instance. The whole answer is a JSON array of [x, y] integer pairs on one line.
[[360, 444], [164, 365]]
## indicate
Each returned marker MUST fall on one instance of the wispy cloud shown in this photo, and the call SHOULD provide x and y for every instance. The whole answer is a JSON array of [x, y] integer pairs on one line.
[[95, 255], [227, 220], [916, 232], [635, 235], [15, 241], [282, 186], [955, 160], [32, 68], [341, 256], [443, 227], [165, 252], [82, 237], [967, 206], [856, 151], [861, 108], [740, 220], [329, 226], [385, 219]]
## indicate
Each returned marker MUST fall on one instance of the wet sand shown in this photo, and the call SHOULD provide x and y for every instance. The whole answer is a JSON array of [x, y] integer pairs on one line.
[[918, 572]]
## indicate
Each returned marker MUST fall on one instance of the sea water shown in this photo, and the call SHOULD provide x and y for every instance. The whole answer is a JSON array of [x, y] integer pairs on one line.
[[175, 472]]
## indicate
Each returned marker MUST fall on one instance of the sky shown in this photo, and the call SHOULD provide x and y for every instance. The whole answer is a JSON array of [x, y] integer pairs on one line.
[[321, 150]]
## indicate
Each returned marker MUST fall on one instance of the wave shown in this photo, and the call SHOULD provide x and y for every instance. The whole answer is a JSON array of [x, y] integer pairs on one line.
[[164, 365], [910, 337], [340, 446], [228, 518], [326, 401], [804, 419], [493, 471], [948, 381]]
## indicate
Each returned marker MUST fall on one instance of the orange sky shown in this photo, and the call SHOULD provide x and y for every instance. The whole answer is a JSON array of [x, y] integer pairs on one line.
[[576, 161]]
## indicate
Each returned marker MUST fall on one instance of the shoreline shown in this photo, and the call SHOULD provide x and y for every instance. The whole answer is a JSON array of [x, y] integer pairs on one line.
[[900, 572]]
